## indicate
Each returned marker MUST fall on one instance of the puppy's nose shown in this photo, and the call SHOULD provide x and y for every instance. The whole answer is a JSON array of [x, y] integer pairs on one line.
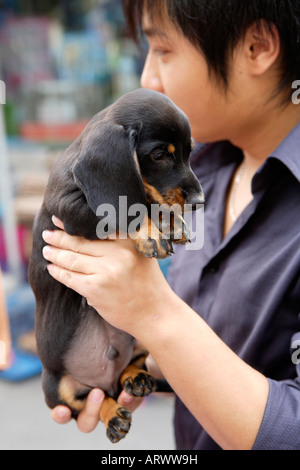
[[194, 200]]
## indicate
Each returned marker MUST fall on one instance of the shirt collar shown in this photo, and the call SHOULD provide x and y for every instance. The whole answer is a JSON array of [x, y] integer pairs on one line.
[[222, 153], [288, 152], [208, 158]]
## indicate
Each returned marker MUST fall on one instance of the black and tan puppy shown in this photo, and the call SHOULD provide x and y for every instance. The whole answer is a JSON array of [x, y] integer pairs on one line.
[[139, 148]]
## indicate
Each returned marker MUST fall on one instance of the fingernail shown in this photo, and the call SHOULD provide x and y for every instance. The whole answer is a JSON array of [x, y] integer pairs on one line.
[[96, 396], [56, 221], [62, 413], [47, 251], [127, 399], [47, 235], [50, 269]]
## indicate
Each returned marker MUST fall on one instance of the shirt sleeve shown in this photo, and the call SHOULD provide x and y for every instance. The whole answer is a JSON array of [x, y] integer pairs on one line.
[[280, 428]]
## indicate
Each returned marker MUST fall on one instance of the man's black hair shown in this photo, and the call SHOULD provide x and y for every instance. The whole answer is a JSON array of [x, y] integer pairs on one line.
[[217, 26]]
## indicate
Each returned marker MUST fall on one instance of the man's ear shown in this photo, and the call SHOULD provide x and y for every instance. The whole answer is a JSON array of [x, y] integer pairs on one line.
[[262, 46], [107, 168]]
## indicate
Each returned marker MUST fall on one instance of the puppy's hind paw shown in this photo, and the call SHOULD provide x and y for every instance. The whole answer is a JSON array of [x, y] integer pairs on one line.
[[119, 425], [117, 419], [140, 386]]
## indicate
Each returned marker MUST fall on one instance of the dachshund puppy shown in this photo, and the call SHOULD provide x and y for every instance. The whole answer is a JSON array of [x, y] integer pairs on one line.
[[137, 148]]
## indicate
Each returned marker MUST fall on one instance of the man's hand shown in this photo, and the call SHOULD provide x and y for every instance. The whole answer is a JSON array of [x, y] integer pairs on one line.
[[88, 418]]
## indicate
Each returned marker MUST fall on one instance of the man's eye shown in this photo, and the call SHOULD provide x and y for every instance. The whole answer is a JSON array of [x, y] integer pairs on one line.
[[160, 52]]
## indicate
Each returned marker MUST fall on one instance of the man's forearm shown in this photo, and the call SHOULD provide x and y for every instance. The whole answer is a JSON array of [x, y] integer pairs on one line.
[[224, 394]]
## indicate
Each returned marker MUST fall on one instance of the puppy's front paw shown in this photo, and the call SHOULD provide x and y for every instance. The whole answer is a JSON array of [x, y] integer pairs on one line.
[[150, 242], [154, 248]]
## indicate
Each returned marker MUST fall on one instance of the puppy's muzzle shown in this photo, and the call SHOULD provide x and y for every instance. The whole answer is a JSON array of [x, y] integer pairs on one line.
[[193, 197], [194, 201]]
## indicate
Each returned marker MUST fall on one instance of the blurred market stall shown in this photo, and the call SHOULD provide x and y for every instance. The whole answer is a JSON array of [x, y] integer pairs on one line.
[[61, 62]]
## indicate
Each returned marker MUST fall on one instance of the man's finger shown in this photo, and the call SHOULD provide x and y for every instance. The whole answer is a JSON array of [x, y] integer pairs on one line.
[[58, 223], [130, 402], [74, 281], [61, 239], [61, 414], [69, 260], [88, 419]]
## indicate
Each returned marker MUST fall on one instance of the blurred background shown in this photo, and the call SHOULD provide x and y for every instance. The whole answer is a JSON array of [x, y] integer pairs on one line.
[[61, 62]]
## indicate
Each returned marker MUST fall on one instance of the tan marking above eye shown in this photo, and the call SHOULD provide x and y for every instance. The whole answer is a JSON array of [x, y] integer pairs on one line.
[[171, 148]]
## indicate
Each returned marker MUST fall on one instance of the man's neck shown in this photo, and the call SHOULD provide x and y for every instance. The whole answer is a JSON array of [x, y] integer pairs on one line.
[[264, 137]]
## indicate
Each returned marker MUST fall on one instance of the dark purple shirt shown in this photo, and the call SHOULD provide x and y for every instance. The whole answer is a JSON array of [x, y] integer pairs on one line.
[[247, 286]]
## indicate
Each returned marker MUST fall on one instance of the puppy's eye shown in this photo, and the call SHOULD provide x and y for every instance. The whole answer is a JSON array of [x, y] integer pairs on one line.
[[160, 154]]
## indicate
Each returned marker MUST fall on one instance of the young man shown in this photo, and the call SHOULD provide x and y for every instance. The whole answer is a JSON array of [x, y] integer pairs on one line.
[[225, 334]]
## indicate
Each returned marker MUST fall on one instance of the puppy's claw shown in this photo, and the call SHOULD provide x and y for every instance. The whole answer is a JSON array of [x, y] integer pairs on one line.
[[181, 233]]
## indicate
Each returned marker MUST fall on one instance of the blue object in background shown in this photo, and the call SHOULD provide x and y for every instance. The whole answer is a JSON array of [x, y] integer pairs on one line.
[[21, 310], [164, 266], [24, 366]]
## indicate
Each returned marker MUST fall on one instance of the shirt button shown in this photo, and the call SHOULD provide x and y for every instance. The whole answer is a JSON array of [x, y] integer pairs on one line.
[[213, 269]]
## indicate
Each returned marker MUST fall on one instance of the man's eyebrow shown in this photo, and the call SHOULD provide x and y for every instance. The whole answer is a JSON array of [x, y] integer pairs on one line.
[[151, 31]]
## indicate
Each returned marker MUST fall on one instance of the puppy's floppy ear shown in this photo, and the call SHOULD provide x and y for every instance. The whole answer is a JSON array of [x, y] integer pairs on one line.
[[107, 168]]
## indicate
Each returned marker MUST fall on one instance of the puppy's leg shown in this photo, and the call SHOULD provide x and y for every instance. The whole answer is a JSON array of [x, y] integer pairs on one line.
[[135, 380]]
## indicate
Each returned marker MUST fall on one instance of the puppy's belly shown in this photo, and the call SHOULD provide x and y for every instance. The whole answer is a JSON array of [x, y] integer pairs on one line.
[[98, 353]]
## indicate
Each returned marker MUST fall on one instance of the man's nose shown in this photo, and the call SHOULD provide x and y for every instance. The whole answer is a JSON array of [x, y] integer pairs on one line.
[[150, 77]]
